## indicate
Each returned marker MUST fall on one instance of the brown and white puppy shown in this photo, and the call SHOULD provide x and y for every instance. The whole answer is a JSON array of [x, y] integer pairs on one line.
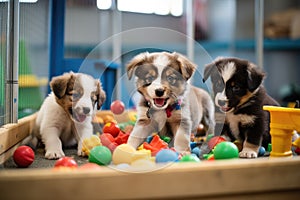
[[66, 114], [169, 104], [238, 90]]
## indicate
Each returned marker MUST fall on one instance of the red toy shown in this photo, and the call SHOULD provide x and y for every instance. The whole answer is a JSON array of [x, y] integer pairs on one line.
[[23, 156], [66, 162], [111, 128], [108, 141], [214, 141], [122, 138], [155, 145], [117, 107]]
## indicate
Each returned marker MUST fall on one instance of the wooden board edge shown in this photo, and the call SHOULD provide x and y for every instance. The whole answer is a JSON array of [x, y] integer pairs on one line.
[[207, 179], [12, 134]]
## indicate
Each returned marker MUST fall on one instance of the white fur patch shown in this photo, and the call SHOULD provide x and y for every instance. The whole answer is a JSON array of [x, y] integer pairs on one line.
[[235, 120], [220, 96], [88, 85], [161, 60], [228, 71]]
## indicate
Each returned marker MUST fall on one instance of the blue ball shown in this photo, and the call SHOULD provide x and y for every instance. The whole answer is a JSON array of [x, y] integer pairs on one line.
[[196, 151], [261, 151], [166, 155]]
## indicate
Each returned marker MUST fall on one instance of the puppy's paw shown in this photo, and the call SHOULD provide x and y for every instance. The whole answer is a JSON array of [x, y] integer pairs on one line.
[[248, 153], [54, 154], [249, 150], [81, 153]]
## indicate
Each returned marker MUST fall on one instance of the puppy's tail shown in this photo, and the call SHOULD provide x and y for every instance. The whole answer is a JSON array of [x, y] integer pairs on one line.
[[31, 141]]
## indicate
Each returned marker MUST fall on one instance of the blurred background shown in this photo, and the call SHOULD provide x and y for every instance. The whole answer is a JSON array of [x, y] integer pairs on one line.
[[100, 36]]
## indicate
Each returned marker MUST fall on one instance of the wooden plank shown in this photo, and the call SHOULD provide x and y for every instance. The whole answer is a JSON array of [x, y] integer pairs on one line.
[[11, 134], [218, 179]]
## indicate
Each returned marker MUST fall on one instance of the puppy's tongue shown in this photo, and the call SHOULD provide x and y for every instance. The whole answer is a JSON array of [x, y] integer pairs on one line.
[[80, 117], [159, 102], [225, 109]]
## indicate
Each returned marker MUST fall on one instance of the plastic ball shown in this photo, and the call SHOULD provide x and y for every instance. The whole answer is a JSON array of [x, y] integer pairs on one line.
[[123, 154], [166, 155], [189, 158], [261, 151], [100, 155], [89, 166], [123, 166], [197, 151], [117, 107], [23, 156], [226, 150], [214, 141], [66, 161]]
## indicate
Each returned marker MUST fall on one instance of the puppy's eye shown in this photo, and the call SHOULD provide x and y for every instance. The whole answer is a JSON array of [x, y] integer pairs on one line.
[[149, 80], [172, 80], [236, 88], [76, 95]]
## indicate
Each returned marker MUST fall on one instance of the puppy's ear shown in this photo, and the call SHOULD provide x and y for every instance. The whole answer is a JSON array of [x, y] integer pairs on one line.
[[208, 70], [186, 66], [255, 77], [136, 61], [59, 84], [101, 95]]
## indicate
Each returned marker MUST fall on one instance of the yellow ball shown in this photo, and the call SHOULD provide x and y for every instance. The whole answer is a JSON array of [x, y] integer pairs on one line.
[[123, 154]]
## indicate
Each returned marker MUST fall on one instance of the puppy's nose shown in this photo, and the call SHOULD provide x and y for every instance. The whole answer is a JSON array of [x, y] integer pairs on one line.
[[86, 110], [159, 92], [221, 102]]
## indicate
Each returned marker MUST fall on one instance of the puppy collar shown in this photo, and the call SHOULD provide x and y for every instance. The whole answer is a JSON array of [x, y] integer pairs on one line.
[[175, 106]]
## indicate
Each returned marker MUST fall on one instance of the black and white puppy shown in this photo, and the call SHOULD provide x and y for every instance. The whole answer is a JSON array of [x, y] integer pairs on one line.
[[238, 91], [65, 117], [169, 104]]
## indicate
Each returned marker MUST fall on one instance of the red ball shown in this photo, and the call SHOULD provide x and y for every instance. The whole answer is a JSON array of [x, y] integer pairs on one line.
[[117, 107], [23, 156], [66, 162], [89, 166]]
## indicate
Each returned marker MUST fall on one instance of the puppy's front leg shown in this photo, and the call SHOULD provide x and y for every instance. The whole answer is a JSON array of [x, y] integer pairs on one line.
[[53, 145], [82, 131], [141, 130], [182, 138]]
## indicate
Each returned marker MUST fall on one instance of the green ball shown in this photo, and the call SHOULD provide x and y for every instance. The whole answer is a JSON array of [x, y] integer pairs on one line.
[[189, 158], [100, 155], [226, 150]]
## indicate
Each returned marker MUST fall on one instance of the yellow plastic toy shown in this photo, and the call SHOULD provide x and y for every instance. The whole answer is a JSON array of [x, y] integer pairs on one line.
[[89, 143], [283, 122]]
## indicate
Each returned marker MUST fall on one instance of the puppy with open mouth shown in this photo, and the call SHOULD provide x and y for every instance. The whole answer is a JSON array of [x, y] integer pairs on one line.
[[238, 91], [169, 105], [65, 117]]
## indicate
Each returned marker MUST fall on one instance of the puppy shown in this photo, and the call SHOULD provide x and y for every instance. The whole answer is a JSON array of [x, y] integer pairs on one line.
[[238, 90], [66, 114], [169, 104]]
